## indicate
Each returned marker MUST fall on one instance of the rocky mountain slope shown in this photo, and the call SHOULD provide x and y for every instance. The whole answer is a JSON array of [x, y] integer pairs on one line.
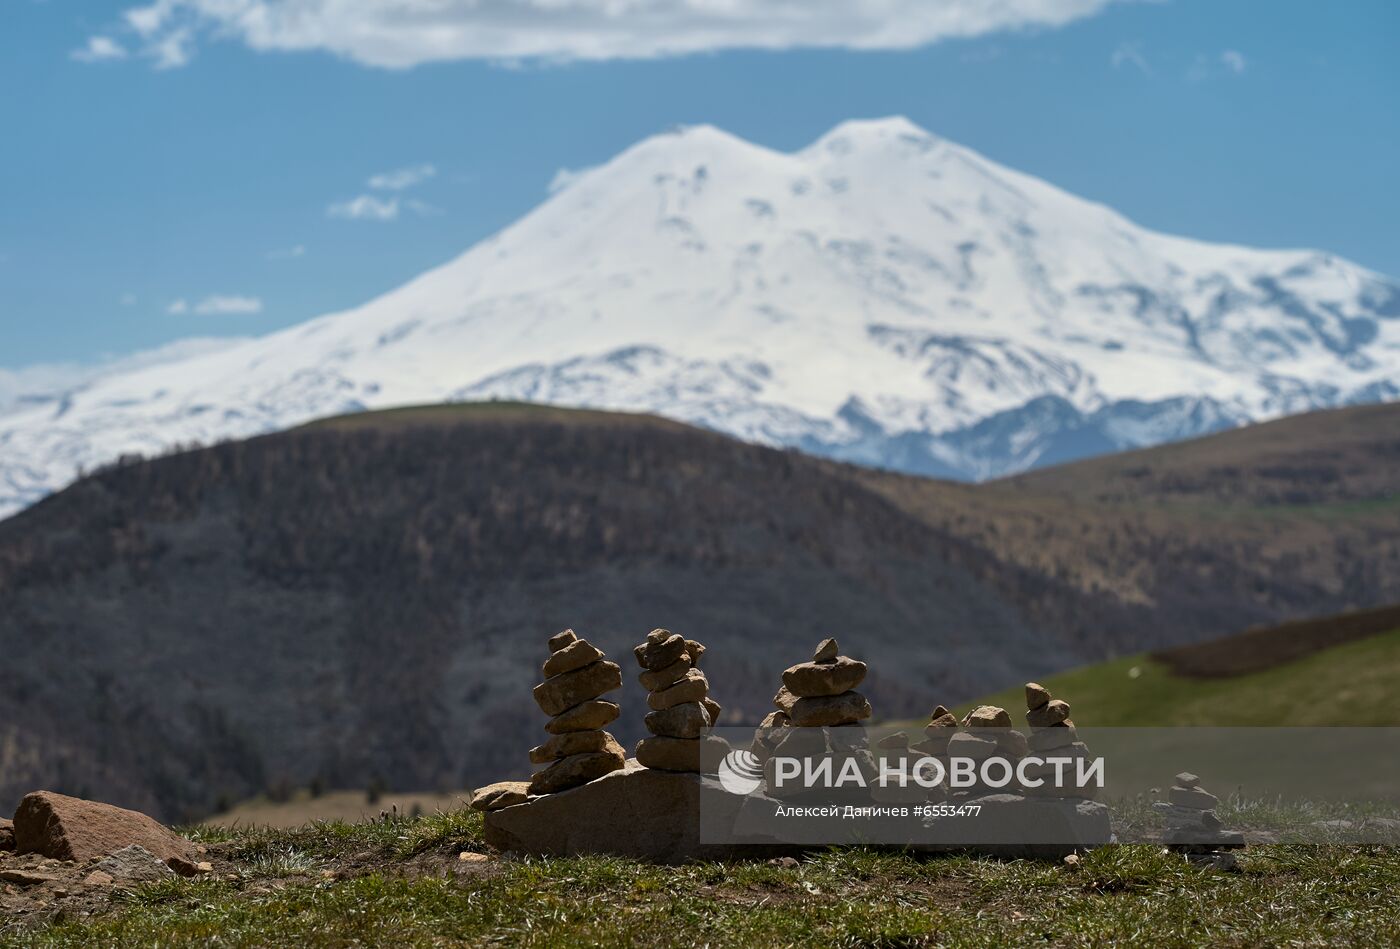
[[882, 296], [366, 600]]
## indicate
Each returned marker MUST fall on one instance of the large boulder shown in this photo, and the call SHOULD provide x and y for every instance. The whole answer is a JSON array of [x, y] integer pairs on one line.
[[636, 812], [69, 828]]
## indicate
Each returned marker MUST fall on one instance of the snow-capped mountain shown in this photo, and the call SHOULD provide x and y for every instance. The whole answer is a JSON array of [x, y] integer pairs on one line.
[[883, 296]]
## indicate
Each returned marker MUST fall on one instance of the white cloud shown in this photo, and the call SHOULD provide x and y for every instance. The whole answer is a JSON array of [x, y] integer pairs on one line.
[[99, 49], [369, 207], [127, 299], [406, 33], [365, 207], [402, 178], [1233, 60], [1228, 61], [287, 253], [1130, 54], [217, 305]]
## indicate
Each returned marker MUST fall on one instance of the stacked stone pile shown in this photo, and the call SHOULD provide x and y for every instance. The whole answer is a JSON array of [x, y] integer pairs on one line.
[[822, 692], [576, 676], [1193, 829], [682, 711], [1053, 735], [942, 726], [987, 733]]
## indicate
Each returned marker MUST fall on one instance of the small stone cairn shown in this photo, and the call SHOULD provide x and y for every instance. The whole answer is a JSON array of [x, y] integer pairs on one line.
[[576, 675], [986, 733], [1052, 735], [678, 695], [1193, 829], [816, 706]]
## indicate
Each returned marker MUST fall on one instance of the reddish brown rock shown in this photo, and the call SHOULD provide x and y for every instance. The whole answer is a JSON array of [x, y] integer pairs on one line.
[[658, 652], [653, 681], [575, 655], [713, 708], [575, 770], [585, 716], [573, 743], [501, 794], [69, 828], [692, 688], [7, 834], [811, 679], [559, 640], [563, 692], [840, 709]]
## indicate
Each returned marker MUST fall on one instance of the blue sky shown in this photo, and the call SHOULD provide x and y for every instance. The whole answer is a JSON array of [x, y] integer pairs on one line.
[[193, 174]]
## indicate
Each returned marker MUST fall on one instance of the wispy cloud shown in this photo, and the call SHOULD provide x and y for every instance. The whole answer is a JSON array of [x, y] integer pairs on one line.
[[1130, 54], [127, 299], [407, 33], [402, 178], [365, 207], [369, 207], [99, 49], [1228, 62], [217, 305], [287, 253]]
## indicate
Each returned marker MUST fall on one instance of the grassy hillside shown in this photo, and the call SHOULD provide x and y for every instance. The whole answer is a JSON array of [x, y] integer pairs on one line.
[[403, 882], [364, 600], [1349, 684]]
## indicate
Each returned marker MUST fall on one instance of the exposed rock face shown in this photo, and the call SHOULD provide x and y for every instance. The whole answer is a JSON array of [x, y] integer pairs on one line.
[[682, 710], [69, 828], [580, 751]]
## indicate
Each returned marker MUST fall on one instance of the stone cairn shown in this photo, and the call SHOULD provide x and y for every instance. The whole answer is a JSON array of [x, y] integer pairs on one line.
[[938, 733], [576, 674], [678, 695], [987, 733], [1053, 735], [815, 707], [1193, 829]]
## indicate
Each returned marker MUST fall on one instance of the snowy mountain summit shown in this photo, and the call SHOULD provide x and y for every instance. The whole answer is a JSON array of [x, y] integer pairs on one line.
[[883, 296]]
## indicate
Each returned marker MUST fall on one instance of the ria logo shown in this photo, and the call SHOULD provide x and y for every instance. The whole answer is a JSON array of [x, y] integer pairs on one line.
[[740, 772]]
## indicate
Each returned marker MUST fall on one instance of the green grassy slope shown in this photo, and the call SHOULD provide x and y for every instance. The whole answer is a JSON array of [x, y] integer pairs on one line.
[[1351, 684]]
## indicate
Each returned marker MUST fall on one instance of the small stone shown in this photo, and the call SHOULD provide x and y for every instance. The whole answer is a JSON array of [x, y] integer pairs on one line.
[[968, 745], [827, 651], [562, 692], [466, 856], [777, 719], [713, 708], [658, 635], [1188, 780], [987, 716], [659, 679], [1051, 713], [26, 877], [686, 720], [814, 679], [680, 754], [559, 640], [658, 655], [493, 797], [694, 651], [693, 688], [897, 742], [1071, 859], [786, 863], [573, 743], [585, 716], [1193, 798], [98, 878], [1054, 736], [575, 770], [1013, 744], [189, 868], [784, 700], [575, 655], [1037, 695], [840, 709], [134, 864]]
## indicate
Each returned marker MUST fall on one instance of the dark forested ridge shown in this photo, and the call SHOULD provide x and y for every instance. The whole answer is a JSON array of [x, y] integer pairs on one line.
[[366, 600]]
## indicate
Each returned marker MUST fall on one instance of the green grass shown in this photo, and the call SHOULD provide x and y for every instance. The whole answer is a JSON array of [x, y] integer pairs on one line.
[[1351, 684], [1283, 895]]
